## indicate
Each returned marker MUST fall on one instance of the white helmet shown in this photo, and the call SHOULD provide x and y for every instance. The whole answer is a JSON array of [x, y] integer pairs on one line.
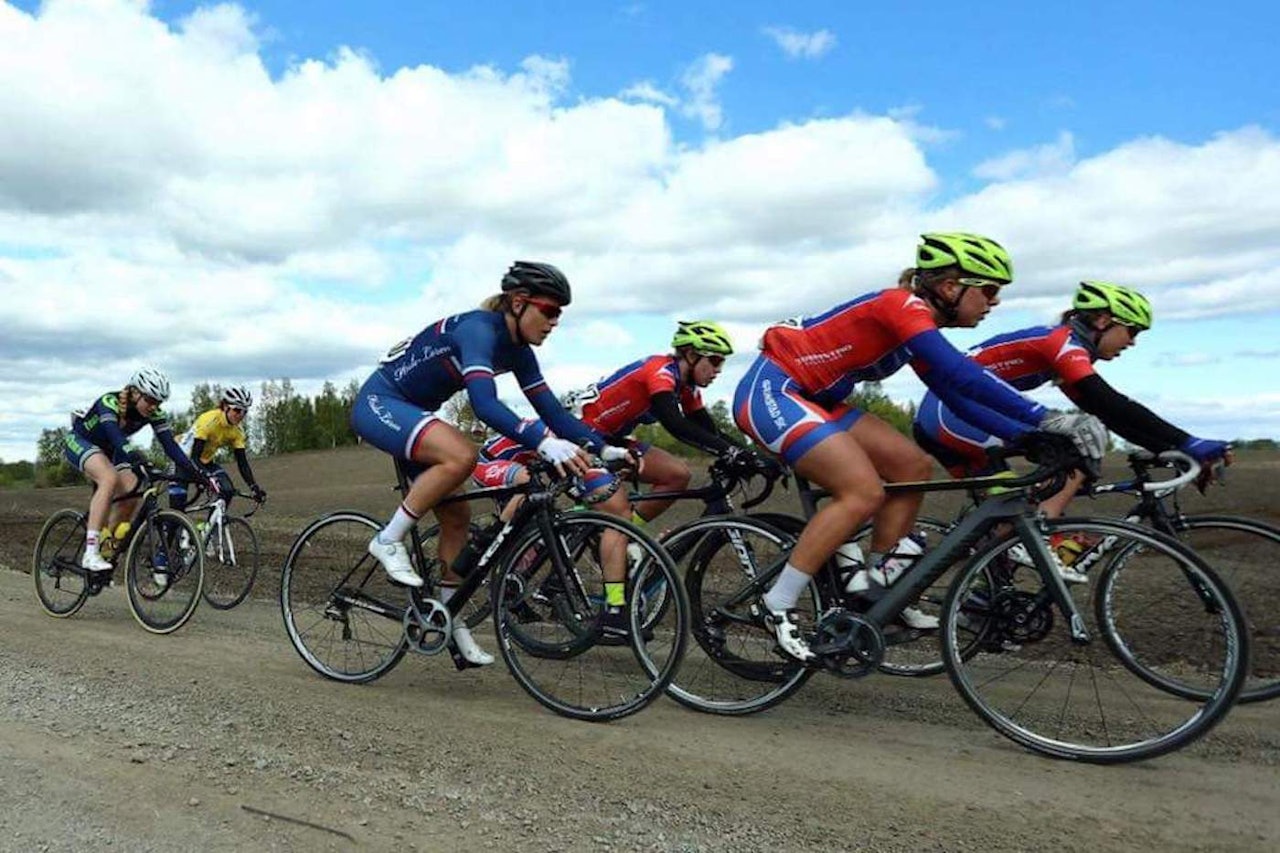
[[237, 395], [849, 558], [152, 382]]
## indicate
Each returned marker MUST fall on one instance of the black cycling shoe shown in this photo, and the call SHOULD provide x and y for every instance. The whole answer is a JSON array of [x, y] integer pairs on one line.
[[615, 628]]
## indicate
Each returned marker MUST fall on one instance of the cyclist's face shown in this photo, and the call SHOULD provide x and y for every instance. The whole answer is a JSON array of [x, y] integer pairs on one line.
[[235, 415], [146, 405], [1115, 340], [706, 369], [975, 303], [537, 317]]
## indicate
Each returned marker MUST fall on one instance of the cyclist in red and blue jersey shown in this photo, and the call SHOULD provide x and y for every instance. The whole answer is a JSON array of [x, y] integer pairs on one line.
[[791, 401], [1105, 319], [98, 445], [396, 411], [664, 389]]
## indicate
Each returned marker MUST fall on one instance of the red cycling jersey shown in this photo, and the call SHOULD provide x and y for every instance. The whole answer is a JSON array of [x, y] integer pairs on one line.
[[615, 404]]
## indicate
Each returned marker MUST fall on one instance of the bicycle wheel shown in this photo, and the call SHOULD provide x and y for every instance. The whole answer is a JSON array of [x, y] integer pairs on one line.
[[344, 616], [546, 605], [164, 571], [1246, 554], [1163, 662], [733, 667], [60, 582], [230, 563]]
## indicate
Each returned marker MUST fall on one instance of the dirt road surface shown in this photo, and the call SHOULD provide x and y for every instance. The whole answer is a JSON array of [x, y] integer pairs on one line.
[[113, 738]]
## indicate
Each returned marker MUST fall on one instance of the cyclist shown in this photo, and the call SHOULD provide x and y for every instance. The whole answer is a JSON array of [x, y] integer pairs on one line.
[[665, 389], [98, 445], [1104, 320], [790, 402], [215, 429], [396, 411], [502, 462]]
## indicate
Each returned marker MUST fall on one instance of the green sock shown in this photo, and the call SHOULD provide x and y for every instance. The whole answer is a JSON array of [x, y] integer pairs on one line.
[[638, 520], [615, 593]]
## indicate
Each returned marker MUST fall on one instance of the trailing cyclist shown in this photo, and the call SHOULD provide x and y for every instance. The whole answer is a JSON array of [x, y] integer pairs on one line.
[[664, 389], [790, 401], [396, 411], [212, 430], [98, 445]]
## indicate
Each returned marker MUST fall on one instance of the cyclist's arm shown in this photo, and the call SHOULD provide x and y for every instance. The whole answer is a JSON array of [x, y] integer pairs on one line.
[[683, 427], [174, 451], [561, 422], [242, 462], [1127, 418], [197, 450], [483, 394], [971, 392]]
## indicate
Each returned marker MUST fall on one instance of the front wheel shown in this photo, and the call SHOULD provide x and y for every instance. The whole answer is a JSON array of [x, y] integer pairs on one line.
[[230, 563], [1161, 659], [553, 630], [61, 586], [344, 616], [164, 571]]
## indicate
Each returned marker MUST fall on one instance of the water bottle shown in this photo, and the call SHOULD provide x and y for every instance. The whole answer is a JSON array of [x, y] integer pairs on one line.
[[475, 547], [106, 546]]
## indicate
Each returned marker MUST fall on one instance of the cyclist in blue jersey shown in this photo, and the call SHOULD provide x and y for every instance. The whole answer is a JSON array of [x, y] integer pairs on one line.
[[98, 445], [791, 401], [396, 411]]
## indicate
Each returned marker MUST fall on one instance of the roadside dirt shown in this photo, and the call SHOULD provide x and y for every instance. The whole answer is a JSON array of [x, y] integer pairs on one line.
[[114, 738]]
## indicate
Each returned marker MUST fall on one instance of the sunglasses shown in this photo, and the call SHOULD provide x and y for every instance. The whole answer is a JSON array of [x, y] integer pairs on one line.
[[151, 400], [990, 289], [238, 409], [716, 360], [546, 307]]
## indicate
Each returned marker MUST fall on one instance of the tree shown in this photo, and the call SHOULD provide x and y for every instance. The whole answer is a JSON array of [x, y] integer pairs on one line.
[[870, 397], [52, 467], [457, 410], [719, 412]]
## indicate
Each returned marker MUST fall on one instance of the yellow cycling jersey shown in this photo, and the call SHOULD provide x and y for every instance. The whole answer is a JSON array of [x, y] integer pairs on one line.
[[216, 431]]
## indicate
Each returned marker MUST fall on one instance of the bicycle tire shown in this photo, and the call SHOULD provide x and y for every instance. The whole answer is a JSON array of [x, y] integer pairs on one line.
[[56, 561], [1245, 554], [317, 600], [733, 668], [230, 568], [1030, 678], [163, 608], [585, 678]]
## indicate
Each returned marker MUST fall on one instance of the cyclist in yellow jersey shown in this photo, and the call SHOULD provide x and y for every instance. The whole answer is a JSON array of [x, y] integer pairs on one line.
[[213, 430]]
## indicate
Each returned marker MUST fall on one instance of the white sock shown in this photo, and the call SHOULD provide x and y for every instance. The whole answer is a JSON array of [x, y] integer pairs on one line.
[[398, 527], [446, 593], [786, 590]]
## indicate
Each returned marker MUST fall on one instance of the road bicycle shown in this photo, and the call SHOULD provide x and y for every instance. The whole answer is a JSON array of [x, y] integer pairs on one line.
[[164, 569], [1144, 669], [230, 548], [544, 571]]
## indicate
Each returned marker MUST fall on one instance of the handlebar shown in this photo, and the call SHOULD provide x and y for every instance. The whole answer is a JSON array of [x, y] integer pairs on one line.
[[1190, 469]]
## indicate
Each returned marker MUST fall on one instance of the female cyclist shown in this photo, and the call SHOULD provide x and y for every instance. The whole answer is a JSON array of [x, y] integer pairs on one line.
[[790, 402], [215, 429], [1104, 320], [666, 389], [396, 408], [98, 445]]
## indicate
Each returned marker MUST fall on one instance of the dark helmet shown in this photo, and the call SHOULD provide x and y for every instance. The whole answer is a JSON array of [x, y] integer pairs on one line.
[[537, 279]]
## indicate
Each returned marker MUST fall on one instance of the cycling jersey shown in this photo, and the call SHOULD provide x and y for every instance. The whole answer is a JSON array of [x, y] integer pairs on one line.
[[618, 403], [790, 399], [105, 427], [216, 431], [415, 378]]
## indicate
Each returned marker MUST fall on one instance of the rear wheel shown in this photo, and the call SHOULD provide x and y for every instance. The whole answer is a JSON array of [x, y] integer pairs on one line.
[[734, 667], [60, 582], [344, 616], [164, 571], [230, 563]]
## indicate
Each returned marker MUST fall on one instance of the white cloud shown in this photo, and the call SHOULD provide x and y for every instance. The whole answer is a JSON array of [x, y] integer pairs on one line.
[[801, 45], [700, 81], [164, 198], [1043, 160]]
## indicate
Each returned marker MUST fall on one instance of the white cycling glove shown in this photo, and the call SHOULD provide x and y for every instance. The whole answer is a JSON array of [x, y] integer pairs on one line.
[[557, 451], [611, 453], [1086, 432]]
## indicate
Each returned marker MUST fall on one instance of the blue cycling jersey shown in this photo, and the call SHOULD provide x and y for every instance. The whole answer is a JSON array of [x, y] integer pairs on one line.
[[106, 426], [467, 351]]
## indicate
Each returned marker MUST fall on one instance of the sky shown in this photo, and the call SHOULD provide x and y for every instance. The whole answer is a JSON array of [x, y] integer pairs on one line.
[[242, 191]]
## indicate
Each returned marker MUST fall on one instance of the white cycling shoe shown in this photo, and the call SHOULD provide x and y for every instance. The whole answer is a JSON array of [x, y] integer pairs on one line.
[[92, 561], [1018, 554], [468, 648], [394, 558], [790, 640]]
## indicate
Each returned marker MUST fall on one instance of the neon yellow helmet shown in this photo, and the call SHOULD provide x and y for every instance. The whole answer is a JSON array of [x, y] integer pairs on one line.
[[1126, 305], [704, 336], [973, 253]]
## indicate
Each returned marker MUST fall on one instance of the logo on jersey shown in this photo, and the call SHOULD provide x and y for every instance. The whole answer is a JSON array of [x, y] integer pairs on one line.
[[381, 413]]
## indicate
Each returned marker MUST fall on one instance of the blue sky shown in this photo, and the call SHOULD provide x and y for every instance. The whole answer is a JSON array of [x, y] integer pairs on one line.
[[283, 189]]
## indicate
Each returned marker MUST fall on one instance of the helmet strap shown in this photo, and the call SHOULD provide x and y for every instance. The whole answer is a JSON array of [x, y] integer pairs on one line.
[[948, 310]]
